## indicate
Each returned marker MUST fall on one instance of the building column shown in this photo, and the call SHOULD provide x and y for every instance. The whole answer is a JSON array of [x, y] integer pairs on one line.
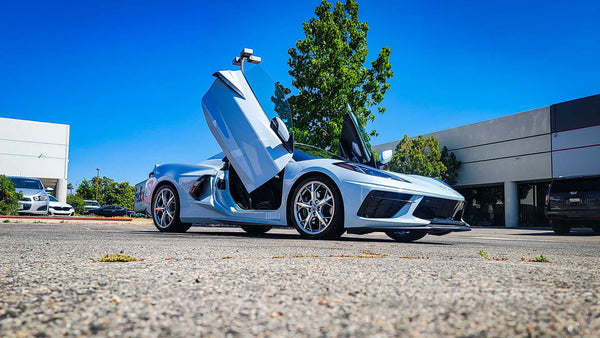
[[61, 190], [511, 205]]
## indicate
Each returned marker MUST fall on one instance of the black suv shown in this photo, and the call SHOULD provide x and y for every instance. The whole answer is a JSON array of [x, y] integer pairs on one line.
[[574, 202]]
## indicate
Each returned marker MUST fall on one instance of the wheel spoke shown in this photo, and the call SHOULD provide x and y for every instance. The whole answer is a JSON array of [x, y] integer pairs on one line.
[[303, 205], [324, 201], [321, 219]]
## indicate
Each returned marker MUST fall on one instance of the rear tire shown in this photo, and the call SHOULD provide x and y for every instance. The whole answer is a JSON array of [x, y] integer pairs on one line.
[[561, 227], [316, 209], [165, 210], [255, 230], [406, 236]]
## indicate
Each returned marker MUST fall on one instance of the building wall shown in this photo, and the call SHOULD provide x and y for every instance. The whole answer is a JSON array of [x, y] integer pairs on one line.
[[521, 153], [510, 148], [35, 149], [576, 137]]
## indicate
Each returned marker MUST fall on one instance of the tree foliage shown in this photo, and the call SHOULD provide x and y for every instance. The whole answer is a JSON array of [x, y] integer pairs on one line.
[[109, 191], [328, 67], [422, 156], [77, 202], [9, 197]]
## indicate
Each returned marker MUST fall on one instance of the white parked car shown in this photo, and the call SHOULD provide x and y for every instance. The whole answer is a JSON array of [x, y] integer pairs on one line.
[[264, 179], [35, 200], [59, 208]]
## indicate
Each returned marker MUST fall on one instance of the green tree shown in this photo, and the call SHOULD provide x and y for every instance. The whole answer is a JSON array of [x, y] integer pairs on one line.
[[77, 203], [9, 197], [452, 165], [328, 67], [109, 191], [422, 156]]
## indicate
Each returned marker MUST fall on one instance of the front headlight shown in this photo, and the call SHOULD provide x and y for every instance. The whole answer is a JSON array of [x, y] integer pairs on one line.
[[40, 198], [364, 169]]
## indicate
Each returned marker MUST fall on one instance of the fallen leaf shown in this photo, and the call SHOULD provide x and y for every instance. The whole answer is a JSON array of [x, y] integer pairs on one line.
[[276, 314]]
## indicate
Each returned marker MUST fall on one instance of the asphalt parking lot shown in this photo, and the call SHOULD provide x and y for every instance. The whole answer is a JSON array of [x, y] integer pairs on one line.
[[221, 282]]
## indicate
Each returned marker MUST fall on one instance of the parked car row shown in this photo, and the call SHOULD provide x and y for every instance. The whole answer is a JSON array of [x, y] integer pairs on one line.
[[36, 201]]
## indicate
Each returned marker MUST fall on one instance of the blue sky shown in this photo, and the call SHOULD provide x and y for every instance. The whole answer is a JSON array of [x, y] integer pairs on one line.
[[128, 76]]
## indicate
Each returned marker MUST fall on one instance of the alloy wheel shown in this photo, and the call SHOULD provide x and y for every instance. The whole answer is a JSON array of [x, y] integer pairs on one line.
[[164, 208], [314, 207]]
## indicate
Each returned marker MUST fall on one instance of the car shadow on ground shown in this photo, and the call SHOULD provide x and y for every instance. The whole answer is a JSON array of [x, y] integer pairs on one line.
[[550, 233], [291, 236]]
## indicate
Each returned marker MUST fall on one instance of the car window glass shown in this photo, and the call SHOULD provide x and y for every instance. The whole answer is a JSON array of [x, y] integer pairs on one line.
[[27, 183], [580, 185], [52, 198]]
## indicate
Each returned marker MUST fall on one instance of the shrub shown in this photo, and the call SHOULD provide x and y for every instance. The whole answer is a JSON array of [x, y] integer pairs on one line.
[[77, 202], [9, 197]]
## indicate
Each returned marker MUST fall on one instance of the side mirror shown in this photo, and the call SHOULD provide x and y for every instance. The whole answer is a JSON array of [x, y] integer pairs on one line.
[[385, 157], [280, 129], [278, 126]]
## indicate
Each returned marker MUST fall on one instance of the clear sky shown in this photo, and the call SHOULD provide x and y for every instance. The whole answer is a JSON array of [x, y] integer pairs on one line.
[[128, 76]]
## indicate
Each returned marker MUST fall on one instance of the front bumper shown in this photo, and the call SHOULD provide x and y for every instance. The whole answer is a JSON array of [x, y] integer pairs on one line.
[[53, 211], [33, 207]]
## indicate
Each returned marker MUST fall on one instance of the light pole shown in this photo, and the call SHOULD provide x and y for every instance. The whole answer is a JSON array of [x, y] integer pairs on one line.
[[246, 55], [97, 179]]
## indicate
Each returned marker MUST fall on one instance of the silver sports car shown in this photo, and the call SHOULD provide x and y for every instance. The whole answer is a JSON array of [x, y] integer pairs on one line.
[[264, 179]]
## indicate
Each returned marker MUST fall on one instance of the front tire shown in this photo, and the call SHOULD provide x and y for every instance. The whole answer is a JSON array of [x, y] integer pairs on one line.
[[561, 227], [316, 208], [255, 230], [406, 236], [165, 210]]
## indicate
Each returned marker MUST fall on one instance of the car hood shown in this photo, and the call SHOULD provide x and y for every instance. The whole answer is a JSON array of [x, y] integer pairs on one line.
[[413, 184], [30, 192]]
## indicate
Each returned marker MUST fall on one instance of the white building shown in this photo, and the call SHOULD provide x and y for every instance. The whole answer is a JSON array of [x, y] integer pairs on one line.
[[36, 149], [508, 162]]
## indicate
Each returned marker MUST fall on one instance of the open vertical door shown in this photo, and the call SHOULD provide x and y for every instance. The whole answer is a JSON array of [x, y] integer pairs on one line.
[[247, 116], [353, 145]]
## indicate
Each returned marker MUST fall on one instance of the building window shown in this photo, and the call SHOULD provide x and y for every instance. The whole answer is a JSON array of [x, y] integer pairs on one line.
[[484, 206], [531, 204]]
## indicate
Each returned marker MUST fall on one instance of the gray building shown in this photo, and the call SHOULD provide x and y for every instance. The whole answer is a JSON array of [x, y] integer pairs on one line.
[[508, 162], [36, 149]]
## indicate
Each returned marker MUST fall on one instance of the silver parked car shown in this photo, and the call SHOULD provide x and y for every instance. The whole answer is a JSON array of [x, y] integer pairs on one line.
[[35, 200], [90, 205]]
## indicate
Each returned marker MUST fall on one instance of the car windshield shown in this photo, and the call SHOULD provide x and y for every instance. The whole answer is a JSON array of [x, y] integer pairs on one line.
[[303, 152], [27, 183], [52, 198], [270, 95]]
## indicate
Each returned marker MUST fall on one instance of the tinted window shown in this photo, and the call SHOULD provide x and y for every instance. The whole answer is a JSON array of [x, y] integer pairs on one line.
[[27, 183], [580, 184], [52, 198]]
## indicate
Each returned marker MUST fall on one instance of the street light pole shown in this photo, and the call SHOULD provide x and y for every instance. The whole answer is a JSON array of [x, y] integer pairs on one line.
[[97, 179], [246, 55]]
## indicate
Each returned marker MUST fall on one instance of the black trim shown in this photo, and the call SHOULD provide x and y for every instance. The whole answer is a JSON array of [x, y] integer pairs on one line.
[[439, 210], [383, 204]]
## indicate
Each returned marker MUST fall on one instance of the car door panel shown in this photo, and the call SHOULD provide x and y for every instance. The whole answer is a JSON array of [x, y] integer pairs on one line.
[[242, 129]]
